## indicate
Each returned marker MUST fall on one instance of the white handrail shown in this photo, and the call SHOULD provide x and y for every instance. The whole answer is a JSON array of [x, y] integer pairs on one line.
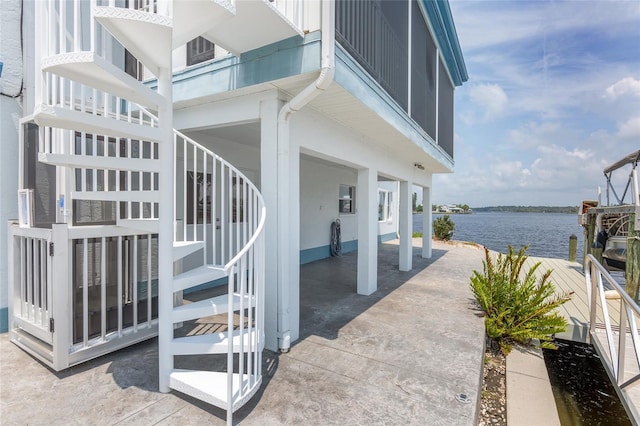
[[614, 355]]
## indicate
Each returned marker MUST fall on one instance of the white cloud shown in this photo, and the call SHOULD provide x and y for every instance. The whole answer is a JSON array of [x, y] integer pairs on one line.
[[490, 99], [626, 86], [553, 98], [630, 129]]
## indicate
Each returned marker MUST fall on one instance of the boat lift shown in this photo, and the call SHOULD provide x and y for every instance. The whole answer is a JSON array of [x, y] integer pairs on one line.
[[632, 182]]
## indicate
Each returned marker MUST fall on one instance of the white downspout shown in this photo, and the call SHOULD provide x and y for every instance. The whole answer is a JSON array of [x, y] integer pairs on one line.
[[324, 80]]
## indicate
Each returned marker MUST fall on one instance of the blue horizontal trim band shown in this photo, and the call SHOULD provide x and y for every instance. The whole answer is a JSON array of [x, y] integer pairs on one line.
[[322, 252], [4, 320], [387, 237]]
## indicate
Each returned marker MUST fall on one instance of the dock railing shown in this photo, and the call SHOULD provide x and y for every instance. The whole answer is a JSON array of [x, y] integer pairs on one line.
[[621, 363]]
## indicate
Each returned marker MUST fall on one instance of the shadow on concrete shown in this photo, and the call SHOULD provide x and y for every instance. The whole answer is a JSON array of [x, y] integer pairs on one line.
[[328, 288], [328, 301]]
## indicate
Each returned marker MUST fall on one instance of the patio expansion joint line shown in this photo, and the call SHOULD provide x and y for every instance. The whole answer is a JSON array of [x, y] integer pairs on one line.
[[151, 404]]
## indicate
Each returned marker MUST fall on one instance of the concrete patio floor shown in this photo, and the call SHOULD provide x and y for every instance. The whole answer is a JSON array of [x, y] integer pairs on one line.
[[399, 356]]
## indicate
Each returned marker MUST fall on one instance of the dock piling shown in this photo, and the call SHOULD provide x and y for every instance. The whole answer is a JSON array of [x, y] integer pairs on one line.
[[573, 247]]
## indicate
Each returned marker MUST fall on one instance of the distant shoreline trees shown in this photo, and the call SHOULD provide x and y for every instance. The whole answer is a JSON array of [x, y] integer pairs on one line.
[[435, 208], [529, 209]]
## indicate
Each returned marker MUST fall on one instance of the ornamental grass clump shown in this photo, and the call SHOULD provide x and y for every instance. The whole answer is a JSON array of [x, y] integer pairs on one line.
[[518, 307]]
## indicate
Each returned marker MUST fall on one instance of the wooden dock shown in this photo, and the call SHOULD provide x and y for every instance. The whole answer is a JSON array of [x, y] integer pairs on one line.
[[568, 278]]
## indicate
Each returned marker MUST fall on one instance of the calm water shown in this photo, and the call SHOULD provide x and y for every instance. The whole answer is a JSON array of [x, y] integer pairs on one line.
[[546, 234], [582, 390]]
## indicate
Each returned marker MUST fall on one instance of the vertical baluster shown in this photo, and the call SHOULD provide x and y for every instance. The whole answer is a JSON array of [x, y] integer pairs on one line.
[[92, 28], [184, 189], [174, 183], [83, 98], [149, 289], [230, 328], [259, 291], [29, 278], [250, 325], [119, 289], [245, 212], [94, 153], [36, 282], [230, 178], [62, 27], [77, 34], [49, 278], [223, 215], [83, 171], [23, 275], [241, 326], [85, 292], [194, 193], [238, 218], [43, 281], [129, 175], [205, 200], [103, 288], [107, 172], [135, 283]]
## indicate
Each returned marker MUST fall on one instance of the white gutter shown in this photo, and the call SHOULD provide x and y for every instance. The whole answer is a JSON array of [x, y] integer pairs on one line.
[[324, 80]]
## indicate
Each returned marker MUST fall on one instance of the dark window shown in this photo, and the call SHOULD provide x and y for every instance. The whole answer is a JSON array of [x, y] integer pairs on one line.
[[346, 201], [199, 50], [132, 66], [39, 177], [445, 111], [423, 73]]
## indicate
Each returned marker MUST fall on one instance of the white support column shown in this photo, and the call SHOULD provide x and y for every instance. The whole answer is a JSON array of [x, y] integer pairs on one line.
[[288, 171], [62, 264], [427, 222], [405, 227], [291, 233], [367, 208], [269, 189]]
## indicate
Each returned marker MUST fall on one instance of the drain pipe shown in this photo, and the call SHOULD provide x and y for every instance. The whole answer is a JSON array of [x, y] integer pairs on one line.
[[323, 81]]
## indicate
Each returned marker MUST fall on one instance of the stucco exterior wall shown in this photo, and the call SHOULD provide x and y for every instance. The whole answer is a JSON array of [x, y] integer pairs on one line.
[[319, 186], [10, 114]]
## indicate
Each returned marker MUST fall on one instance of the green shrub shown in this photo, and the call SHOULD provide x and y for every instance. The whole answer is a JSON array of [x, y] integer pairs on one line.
[[443, 228], [517, 307], [417, 235]]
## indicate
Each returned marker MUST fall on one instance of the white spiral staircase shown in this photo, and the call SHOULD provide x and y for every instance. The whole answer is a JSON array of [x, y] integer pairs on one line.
[[95, 125]]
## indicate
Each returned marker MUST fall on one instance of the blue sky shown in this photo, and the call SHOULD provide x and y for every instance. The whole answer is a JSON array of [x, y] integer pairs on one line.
[[553, 97]]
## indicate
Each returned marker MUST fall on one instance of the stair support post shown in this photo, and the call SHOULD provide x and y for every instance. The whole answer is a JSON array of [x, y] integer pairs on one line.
[[165, 231]]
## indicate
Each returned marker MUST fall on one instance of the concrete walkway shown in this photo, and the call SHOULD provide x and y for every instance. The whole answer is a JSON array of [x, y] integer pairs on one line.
[[399, 356]]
